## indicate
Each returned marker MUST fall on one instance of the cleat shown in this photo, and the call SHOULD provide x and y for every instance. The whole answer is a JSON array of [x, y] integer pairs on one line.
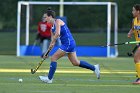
[[97, 71], [137, 81], [45, 79]]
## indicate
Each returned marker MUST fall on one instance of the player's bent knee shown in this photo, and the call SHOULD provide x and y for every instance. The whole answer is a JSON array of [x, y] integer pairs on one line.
[[53, 58], [136, 59], [75, 63]]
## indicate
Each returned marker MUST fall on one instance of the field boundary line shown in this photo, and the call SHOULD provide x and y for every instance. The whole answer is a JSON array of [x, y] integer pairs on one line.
[[66, 71]]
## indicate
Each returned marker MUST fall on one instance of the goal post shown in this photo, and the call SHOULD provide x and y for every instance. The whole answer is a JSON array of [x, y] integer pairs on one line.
[[61, 3]]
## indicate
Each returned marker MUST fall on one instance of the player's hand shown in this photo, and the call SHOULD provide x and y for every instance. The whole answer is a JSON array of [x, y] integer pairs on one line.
[[37, 36], [44, 56], [129, 35], [51, 45]]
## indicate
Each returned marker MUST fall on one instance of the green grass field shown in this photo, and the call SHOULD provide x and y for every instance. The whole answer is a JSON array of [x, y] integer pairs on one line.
[[117, 74]]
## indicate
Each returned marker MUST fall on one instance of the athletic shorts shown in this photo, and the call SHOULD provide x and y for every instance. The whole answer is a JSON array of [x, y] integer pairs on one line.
[[68, 47]]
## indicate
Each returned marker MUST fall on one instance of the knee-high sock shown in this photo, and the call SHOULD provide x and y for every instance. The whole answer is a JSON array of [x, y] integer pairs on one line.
[[52, 70], [138, 69], [86, 65]]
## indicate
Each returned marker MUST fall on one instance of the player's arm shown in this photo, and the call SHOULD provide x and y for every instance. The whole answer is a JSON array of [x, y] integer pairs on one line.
[[51, 35], [129, 35], [37, 36], [57, 33]]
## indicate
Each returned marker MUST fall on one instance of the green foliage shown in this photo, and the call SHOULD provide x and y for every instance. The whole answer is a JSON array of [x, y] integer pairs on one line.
[[8, 13]]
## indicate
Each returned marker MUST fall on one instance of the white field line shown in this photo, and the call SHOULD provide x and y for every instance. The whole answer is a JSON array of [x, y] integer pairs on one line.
[[68, 71]]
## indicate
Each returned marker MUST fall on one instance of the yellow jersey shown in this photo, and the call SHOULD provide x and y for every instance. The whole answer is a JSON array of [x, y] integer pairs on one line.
[[136, 28]]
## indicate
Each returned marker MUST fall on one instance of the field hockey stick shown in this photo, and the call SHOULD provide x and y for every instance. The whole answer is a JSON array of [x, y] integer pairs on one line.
[[133, 51], [35, 42], [39, 64], [125, 43]]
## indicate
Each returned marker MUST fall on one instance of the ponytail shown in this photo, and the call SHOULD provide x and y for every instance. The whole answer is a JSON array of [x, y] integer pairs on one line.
[[50, 12]]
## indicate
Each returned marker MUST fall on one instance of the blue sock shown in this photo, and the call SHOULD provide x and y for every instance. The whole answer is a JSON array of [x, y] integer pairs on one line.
[[52, 70], [86, 65]]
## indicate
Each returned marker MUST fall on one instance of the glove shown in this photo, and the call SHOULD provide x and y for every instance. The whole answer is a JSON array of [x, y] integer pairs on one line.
[[37, 36]]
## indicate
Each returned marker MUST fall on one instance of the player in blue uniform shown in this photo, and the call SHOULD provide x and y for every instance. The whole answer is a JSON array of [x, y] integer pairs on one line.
[[60, 30]]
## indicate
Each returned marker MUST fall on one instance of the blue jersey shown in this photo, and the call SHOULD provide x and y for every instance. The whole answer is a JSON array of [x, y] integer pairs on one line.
[[66, 38]]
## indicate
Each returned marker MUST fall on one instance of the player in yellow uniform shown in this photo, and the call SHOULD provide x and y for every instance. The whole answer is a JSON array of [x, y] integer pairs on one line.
[[136, 30]]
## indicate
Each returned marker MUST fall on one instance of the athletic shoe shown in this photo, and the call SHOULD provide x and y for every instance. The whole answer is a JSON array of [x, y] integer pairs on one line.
[[45, 79], [137, 81], [97, 71]]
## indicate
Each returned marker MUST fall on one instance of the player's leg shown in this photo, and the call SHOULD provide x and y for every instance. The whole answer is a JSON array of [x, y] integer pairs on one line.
[[45, 45], [137, 65], [74, 60], [53, 65]]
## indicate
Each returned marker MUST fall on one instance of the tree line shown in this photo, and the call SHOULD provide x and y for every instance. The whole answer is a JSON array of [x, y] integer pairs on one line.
[[76, 16]]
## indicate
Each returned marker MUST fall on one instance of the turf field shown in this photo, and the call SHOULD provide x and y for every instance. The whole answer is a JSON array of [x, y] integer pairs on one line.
[[116, 76]]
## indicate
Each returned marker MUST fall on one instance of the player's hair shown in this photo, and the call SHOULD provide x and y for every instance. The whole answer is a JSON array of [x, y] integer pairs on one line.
[[50, 12], [137, 7]]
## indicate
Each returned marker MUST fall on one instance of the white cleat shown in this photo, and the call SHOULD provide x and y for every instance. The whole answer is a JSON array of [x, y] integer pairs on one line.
[[97, 71], [45, 79]]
